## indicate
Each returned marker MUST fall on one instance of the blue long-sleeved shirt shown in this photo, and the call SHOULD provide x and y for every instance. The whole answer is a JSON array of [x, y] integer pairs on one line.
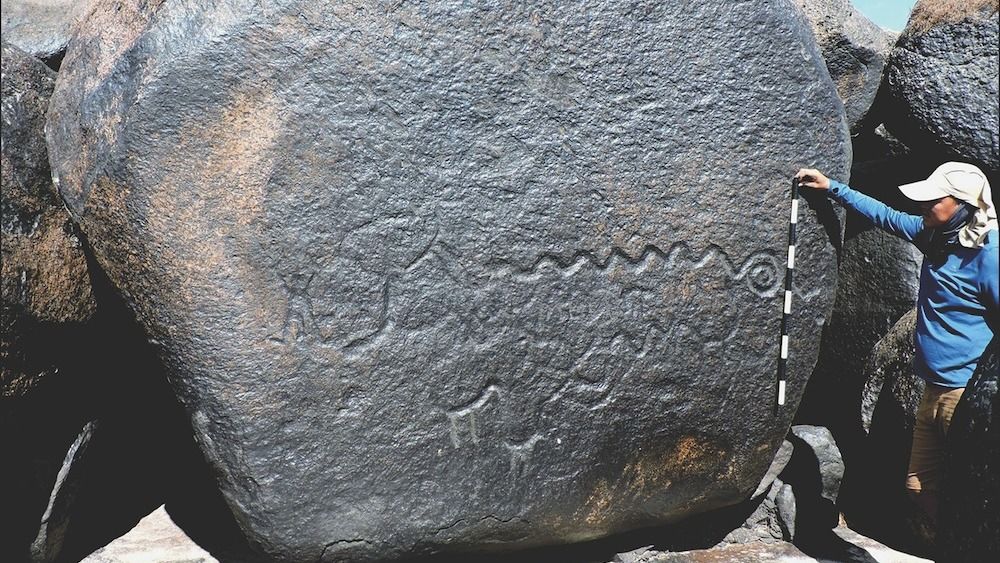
[[957, 307]]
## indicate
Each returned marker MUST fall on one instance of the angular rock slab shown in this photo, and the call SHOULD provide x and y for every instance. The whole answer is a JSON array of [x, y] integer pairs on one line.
[[815, 473], [41, 27], [943, 82], [855, 50], [441, 277]]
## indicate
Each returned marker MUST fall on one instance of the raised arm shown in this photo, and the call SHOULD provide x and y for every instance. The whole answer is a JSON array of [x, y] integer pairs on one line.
[[901, 224]]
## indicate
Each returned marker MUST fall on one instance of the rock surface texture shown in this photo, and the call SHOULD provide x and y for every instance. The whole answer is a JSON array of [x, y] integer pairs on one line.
[[71, 353], [41, 27], [446, 277], [943, 82], [44, 277], [814, 473], [47, 307], [855, 50], [970, 509], [873, 497]]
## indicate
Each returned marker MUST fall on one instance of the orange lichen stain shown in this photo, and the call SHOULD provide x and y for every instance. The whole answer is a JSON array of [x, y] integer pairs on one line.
[[601, 227], [113, 28], [203, 213], [641, 479], [849, 83], [53, 269], [242, 140]]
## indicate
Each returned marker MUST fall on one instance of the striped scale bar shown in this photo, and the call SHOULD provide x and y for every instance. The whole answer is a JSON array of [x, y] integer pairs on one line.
[[787, 310]]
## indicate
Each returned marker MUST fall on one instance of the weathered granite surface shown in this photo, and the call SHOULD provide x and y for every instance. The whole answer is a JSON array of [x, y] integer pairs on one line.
[[943, 86], [855, 51], [969, 519], [41, 27], [47, 308], [448, 277]]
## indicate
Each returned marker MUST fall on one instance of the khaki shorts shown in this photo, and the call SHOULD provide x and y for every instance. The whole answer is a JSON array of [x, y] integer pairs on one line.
[[927, 454]]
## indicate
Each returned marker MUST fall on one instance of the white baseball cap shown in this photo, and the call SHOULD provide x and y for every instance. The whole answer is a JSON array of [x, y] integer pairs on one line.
[[957, 179], [966, 183]]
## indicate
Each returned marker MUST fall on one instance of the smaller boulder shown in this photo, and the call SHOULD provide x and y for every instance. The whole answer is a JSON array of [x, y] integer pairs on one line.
[[784, 502], [764, 524], [814, 473], [874, 498], [942, 82], [892, 391], [855, 51], [42, 27], [969, 523], [781, 459]]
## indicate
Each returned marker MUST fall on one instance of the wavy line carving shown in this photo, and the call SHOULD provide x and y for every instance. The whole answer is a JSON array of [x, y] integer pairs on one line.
[[759, 270]]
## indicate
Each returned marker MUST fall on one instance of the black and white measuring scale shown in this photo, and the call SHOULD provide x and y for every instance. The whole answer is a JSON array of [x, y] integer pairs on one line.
[[787, 309]]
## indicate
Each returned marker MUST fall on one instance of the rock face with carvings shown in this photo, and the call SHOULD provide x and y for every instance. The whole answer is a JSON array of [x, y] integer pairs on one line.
[[942, 82], [445, 276]]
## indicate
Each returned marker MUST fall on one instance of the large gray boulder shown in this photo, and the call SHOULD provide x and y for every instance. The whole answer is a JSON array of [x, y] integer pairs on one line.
[[970, 521], [855, 51], [444, 277], [41, 27], [943, 83]]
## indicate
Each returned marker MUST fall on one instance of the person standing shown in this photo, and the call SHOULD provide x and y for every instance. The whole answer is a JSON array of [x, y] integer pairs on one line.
[[957, 310]]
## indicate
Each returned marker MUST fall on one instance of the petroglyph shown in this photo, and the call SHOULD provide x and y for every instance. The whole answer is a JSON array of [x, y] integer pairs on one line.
[[596, 392], [759, 270], [383, 322], [299, 319], [520, 454], [759, 273], [463, 419]]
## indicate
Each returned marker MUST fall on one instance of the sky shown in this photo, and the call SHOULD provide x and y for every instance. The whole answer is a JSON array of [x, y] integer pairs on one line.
[[891, 14]]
